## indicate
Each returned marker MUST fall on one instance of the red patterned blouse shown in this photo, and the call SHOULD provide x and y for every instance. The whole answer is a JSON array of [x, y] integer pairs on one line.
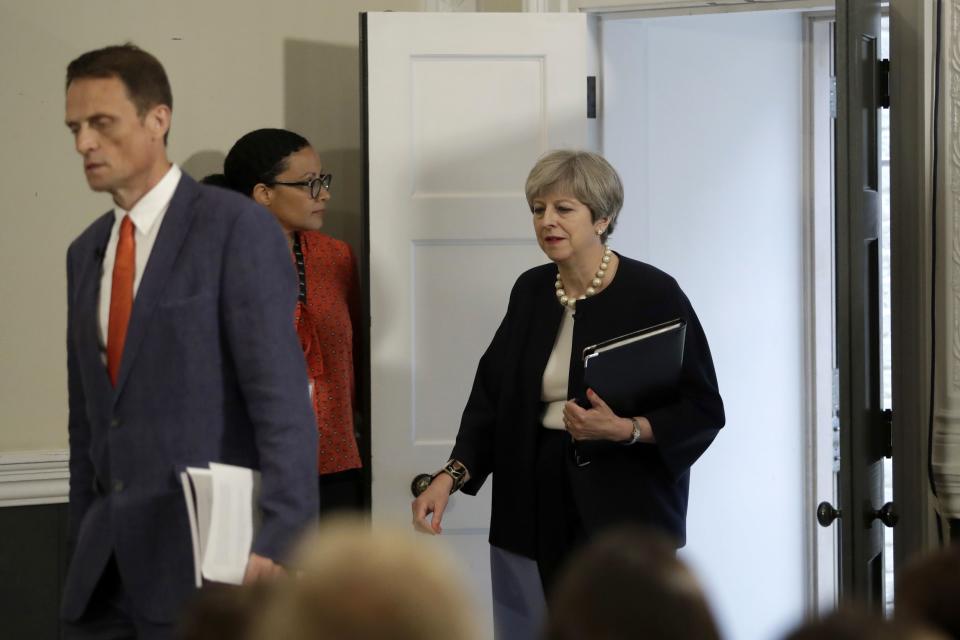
[[327, 305]]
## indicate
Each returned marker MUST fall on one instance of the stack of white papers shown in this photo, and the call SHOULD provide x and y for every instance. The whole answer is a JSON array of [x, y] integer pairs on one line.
[[221, 506]]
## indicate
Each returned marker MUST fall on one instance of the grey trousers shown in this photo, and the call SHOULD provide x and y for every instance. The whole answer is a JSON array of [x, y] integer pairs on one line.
[[519, 606]]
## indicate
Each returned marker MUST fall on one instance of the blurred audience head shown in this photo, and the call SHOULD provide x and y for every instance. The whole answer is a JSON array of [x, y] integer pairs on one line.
[[851, 622], [928, 590], [221, 612], [629, 583], [352, 582]]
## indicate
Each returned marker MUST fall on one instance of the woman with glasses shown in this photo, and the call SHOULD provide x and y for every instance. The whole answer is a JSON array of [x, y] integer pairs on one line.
[[281, 171], [562, 472]]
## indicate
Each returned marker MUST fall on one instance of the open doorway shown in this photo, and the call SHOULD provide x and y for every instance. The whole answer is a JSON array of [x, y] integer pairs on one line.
[[689, 102], [723, 126]]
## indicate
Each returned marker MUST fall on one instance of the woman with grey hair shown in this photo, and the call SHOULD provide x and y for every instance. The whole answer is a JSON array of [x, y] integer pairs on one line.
[[521, 425]]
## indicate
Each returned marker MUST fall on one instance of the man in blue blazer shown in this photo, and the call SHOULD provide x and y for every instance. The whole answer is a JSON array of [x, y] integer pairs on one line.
[[181, 350]]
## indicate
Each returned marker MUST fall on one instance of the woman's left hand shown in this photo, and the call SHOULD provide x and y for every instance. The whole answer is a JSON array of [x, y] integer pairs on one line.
[[596, 423]]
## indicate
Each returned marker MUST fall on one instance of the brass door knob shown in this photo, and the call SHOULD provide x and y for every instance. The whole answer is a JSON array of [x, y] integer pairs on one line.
[[420, 483]]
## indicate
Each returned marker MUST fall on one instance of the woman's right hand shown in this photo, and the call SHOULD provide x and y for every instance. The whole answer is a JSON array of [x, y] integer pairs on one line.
[[433, 500]]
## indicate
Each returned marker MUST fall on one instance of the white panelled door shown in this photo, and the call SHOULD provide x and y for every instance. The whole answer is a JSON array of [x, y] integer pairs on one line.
[[458, 108]]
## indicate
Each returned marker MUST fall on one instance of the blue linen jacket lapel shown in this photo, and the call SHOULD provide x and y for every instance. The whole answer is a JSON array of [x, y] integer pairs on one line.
[[87, 313], [173, 231]]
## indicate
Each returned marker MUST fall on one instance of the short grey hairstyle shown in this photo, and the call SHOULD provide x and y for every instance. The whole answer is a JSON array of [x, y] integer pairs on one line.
[[586, 176]]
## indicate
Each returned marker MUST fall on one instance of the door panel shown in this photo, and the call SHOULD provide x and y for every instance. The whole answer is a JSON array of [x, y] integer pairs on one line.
[[860, 480], [458, 108]]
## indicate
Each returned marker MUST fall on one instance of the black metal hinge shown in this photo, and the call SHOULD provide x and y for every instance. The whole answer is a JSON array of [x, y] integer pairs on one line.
[[592, 97], [887, 433], [883, 83]]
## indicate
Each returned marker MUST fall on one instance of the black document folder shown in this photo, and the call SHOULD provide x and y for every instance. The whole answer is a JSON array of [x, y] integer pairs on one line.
[[638, 371]]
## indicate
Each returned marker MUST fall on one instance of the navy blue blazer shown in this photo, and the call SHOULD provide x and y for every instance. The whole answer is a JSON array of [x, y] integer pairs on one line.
[[211, 371], [645, 484]]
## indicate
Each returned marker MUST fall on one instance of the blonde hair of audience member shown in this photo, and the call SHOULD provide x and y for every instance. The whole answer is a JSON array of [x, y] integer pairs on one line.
[[928, 590], [353, 582], [629, 583]]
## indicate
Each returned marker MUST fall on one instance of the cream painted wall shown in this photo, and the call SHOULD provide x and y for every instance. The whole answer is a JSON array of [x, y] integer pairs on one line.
[[502, 6], [235, 65]]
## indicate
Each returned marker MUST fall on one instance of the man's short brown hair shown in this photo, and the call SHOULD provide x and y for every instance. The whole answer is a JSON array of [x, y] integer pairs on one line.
[[142, 74]]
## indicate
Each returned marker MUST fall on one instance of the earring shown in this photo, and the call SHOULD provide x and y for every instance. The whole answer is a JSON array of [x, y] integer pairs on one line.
[[600, 231]]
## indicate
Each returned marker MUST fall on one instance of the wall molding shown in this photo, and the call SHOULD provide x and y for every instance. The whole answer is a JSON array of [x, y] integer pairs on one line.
[[34, 477], [679, 7]]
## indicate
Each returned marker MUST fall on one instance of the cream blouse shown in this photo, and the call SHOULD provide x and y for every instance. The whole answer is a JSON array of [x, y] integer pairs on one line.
[[553, 389]]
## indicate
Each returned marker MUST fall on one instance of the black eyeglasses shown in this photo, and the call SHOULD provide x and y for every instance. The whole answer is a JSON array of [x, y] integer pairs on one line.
[[320, 182]]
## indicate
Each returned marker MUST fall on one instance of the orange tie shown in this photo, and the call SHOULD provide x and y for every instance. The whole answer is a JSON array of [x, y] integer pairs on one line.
[[121, 297]]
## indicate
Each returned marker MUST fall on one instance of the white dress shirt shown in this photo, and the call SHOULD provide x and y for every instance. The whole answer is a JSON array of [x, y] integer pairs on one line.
[[146, 216]]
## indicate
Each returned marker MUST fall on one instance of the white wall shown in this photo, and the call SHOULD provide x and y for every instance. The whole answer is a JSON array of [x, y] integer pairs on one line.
[[235, 65], [702, 116]]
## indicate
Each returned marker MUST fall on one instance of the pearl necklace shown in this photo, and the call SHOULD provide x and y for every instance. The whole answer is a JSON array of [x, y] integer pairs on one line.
[[570, 302]]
